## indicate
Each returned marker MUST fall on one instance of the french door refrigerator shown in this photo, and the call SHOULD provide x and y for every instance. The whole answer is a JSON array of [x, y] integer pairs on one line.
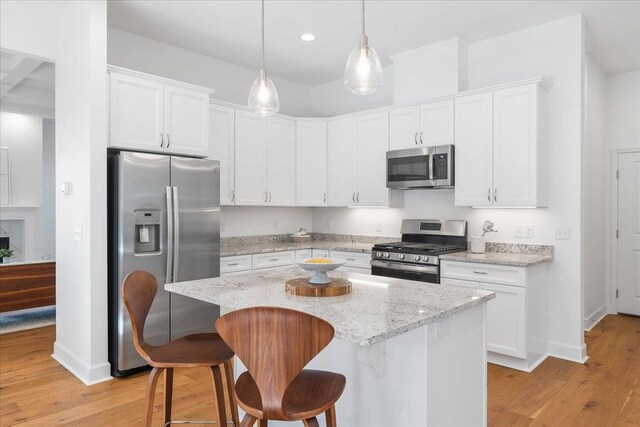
[[164, 219]]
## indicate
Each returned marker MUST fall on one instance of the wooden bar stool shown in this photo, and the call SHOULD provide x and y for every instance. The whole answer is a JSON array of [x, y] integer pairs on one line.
[[275, 344], [197, 350]]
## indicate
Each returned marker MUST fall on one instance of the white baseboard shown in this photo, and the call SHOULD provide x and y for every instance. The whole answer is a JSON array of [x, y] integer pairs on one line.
[[593, 319], [87, 374], [568, 352]]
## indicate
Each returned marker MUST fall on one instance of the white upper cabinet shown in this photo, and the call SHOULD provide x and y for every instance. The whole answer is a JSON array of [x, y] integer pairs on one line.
[[281, 162], [405, 127], [372, 147], [436, 123], [519, 147], [136, 110], [501, 147], [341, 166], [221, 148], [148, 113], [311, 163], [251, 159], [474, 150], [186, 121]]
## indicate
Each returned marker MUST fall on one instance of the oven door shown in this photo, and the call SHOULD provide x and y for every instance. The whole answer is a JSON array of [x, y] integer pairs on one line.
[[401, 270]]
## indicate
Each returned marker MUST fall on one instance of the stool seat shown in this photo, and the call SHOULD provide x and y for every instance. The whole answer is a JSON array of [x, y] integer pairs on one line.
[[310, 394], [206, 349]]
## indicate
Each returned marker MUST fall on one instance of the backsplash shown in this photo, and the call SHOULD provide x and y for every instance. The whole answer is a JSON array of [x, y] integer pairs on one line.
[[518, 248]]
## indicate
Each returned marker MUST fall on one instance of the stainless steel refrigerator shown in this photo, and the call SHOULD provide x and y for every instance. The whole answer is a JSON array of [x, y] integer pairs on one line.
[[164, 218]]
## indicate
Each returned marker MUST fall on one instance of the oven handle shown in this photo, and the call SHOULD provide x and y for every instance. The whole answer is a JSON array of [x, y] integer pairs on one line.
[[405, 267]]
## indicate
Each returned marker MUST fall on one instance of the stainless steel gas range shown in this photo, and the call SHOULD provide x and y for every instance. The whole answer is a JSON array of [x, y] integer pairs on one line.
[[417, 256]]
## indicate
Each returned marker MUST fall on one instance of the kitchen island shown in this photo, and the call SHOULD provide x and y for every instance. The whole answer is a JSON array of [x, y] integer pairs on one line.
[[413, 353]]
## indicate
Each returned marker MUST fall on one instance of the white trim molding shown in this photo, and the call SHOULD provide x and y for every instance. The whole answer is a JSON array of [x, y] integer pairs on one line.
[[568, 352], [594, 318], [89, 375]]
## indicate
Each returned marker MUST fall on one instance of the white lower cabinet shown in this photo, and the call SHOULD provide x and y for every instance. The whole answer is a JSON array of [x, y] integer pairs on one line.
[[234, 264], [517, 316], [357, 260], [272, 259]]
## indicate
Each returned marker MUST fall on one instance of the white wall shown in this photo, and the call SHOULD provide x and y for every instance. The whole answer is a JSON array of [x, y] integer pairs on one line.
[[259, 221], [231, 82], [594, 183], [555, 51], [73, 35]]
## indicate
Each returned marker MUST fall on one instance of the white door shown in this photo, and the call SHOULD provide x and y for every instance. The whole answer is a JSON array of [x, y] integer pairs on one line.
[[515, 133], [186, 121], [251, 159], [136, 113], [221, 148], [436, 123], [281, 161], [629, 233], [404, 125], [311, 163], [371, 155], [506, 320], [474, 150], [341, 162]]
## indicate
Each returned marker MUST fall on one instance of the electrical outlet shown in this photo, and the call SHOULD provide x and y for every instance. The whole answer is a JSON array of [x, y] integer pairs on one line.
[[442, 329], [223, 226], [517, 231], [528, 231], [563, 233], [275, 224], [329, 224], [378, 226]]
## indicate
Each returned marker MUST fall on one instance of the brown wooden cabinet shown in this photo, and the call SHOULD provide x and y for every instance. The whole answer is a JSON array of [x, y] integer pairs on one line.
[[27, 286]]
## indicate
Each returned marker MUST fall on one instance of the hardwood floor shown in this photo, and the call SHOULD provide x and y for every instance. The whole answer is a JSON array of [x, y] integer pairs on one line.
[[36, 391]]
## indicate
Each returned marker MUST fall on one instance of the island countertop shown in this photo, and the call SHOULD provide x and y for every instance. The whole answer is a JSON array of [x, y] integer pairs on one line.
[[379, 308]]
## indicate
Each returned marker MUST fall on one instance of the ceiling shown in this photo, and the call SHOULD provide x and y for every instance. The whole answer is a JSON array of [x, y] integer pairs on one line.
[[27, 85], [230, 30]]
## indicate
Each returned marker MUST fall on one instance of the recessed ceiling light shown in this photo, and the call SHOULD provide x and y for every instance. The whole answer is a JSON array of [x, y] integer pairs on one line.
[[307, 37]]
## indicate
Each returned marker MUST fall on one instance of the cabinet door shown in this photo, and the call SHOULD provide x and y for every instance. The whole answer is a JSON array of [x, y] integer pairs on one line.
[[461, 283], [372, 146], [436, 123], [506, 320], [221, 148], [405, 127], [251, 159], [341, 162], [515, 128], [136, 113], [311, 163], [281, 162], [186, 121], [474, 150]]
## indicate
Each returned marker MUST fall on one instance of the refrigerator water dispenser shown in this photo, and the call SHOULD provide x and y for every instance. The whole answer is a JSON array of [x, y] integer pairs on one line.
[[147, 222]]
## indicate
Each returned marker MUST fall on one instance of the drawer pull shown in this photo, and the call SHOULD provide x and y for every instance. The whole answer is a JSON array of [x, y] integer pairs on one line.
[[350, 259], [274, 259], [480, 272], [231, 264]]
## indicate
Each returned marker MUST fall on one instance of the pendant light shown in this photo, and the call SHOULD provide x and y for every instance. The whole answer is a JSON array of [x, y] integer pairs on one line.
[[363, 73], [263, 96]]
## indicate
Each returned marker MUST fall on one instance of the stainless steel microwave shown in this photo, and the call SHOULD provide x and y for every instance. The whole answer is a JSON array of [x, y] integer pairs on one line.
[[424, 167]]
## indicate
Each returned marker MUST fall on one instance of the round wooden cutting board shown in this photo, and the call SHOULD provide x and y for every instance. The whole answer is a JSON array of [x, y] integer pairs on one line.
[[302, 287]]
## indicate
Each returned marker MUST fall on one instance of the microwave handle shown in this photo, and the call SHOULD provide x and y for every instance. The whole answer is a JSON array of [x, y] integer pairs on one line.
[[432, 165]]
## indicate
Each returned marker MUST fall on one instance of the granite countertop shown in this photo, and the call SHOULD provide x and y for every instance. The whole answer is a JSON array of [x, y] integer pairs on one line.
[[379, 308], [515, 255], [255, 248]]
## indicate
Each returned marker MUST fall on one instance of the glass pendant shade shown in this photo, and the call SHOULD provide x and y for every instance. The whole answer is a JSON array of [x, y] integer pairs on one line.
[[263, 97], [363, 72]]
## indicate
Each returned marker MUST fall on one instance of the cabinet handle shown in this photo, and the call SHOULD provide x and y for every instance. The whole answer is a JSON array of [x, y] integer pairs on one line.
[[233, 196], [358, 197], [324, 198], [231, 264], [269, 196], [266, 197], [480, 272], [415, 138], [353, 197], [489, 195], [274, 259], [168, 140], [351, 259], [161, 140], [421, 138], [495, 194]]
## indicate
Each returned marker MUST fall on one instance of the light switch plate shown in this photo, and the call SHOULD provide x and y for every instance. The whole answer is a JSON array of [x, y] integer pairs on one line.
[[563, 233], [379, 226], [517, 231], [77, 234], [329, 224], [528, 231]]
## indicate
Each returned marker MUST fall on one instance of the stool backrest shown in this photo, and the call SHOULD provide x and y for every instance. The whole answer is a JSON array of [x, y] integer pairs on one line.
[[274, 344], [138, 292]]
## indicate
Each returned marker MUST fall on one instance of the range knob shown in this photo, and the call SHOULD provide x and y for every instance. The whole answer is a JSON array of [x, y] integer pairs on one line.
[[400, 256], [416, 257], [386, 255], [378, 254]]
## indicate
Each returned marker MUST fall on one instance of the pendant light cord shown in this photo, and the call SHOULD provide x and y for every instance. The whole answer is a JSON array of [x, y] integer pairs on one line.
[[263, 39], [363, 33]]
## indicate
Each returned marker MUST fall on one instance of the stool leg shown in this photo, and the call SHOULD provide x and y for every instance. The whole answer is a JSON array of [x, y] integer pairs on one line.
[[311, 422], [248, 421], [331, 417], [151, 392], [218, 389], [228, 373], [263, 423], [168, 394]]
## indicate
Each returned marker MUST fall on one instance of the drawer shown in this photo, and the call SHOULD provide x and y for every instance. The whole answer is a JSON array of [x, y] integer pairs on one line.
[[320, 253], [354, 259], [461, 283], [232, 264], [272, 259], [303, 254], [475, 272]]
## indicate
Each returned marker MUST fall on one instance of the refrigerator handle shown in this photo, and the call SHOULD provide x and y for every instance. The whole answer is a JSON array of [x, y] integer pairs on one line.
[[176, 233], [169, 234]]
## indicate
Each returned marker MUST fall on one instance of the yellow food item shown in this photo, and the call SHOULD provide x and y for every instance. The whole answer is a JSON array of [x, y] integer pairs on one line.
[[319, 261]]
